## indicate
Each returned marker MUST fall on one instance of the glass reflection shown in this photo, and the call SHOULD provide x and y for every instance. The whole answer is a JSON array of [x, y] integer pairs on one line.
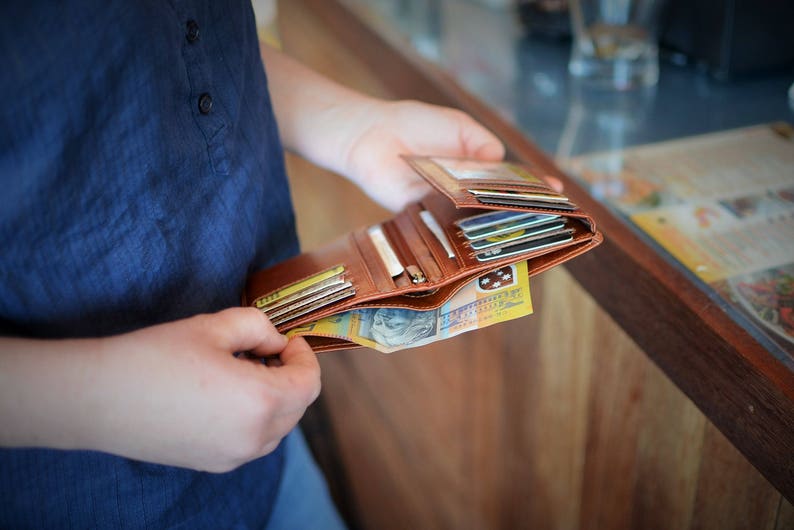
[[602, 121]]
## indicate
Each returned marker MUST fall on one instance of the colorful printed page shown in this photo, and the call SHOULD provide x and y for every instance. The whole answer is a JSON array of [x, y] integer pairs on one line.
[[723, 205]]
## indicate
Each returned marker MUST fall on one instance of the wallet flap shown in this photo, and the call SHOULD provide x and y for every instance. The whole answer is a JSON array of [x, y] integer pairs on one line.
[[475, 184], [452, 175]]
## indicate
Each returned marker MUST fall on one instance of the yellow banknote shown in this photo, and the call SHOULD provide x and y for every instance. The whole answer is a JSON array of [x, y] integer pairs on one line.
[[500, 295]]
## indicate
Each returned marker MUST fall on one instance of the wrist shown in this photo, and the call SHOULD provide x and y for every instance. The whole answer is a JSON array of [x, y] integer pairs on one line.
[[360, 120], [335, 131]]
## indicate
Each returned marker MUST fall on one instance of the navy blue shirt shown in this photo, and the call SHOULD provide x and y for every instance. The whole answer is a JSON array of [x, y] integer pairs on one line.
[[141, 180]]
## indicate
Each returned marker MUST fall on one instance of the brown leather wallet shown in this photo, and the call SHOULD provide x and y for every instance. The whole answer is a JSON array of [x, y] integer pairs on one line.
[[429, 276]]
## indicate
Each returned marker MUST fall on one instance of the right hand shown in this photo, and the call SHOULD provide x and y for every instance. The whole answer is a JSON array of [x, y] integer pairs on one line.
[[174, 394]]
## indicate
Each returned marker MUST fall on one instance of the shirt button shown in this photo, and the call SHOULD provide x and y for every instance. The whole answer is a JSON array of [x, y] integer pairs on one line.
[[192, 31], [205, 103]]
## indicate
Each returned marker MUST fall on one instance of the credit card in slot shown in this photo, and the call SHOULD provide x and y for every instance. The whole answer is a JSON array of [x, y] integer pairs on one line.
[[299, 286], [303, 310], [386, 253], [509, 227], [435, 228], [318, 296], [484, 220], [567, 206], [305, 293], [518, 235], [522, 195], [548, 241]]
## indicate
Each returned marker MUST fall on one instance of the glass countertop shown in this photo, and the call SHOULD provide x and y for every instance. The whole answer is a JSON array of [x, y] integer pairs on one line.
[[485, 47], [490, 53]]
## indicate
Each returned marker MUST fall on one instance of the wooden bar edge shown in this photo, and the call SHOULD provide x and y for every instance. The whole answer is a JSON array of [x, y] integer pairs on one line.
[[736, 382]]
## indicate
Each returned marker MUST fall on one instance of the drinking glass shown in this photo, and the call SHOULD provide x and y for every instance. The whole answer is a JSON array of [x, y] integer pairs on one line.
[[615, 42]]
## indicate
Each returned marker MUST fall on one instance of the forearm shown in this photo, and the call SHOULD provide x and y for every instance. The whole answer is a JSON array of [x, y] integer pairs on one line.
[[48, 391], [171, 394], [318, 118], [121, 395]]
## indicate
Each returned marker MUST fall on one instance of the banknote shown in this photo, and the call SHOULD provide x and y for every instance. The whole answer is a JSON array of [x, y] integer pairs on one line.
[[500, 295]]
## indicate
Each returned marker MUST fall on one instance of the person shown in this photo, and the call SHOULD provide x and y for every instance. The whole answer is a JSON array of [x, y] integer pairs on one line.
[[143, 179]]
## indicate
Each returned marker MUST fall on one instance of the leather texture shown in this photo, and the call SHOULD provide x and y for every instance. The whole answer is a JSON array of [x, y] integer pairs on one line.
[[414, 243]]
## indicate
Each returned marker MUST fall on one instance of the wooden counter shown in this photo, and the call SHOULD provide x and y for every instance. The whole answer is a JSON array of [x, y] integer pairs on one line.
[[559, 420]]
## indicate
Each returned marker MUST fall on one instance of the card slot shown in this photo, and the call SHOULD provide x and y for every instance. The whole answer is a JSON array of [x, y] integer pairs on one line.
[[446, 214], [435, 299], [580, 234], [446, 264], [555, 226], [582, 242], [377, 270], [343, 251], [470, 201], [404, 253], [464, 251], [423, 243], [321, 343]]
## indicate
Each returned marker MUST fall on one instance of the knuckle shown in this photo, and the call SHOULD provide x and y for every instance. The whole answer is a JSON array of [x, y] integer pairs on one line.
[[210, 325], [259, 321], [255, 315]]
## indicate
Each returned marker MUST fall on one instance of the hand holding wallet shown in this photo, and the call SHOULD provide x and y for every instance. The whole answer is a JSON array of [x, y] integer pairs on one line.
[[481, 218]]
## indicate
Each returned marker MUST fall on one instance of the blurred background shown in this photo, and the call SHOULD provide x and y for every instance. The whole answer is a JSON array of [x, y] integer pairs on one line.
[[557, 420]]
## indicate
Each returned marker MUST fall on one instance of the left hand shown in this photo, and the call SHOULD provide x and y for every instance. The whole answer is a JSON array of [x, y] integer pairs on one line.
[[390, 129], [361, 137]]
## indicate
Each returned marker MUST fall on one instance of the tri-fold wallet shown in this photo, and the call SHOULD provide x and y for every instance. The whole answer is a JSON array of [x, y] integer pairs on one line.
[[457, 260]]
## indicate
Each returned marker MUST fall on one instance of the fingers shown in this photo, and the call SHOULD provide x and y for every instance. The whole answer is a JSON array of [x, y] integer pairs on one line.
[[490, 151], [300, 369], [295, 384], [555, 183], [478, 142], [290, 387], [437, 130], [248, 329]]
